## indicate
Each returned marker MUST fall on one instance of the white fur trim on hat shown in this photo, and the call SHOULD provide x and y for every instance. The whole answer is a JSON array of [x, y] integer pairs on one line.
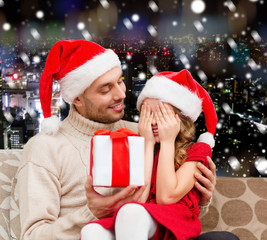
[[207, 138], [50, 125], [76, 81], [171, 92]]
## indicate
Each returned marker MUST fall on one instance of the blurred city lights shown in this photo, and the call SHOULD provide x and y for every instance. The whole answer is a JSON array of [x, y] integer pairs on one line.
[[15, 76]]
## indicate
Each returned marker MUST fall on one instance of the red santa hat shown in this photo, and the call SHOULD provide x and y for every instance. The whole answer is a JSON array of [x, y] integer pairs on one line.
[[183, 92], [75, 64]]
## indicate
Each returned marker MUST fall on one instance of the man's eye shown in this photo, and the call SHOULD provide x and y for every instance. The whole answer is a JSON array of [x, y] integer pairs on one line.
[[105, 90]]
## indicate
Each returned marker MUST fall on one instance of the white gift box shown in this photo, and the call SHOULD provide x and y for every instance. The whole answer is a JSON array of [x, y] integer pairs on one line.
[[117, 166]]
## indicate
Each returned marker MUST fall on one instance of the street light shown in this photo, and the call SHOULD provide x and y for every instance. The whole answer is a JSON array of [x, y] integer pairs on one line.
[[15, 76]]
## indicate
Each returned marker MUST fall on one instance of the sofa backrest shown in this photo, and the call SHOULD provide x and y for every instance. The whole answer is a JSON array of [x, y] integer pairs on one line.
[[239, 205]]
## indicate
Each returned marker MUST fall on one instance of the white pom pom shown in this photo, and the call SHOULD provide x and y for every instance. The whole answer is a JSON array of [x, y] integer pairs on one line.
[[50, 125], [207, 138]]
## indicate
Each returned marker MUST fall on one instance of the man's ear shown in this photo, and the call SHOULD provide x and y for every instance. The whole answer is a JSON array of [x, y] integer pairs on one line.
[[77, 101]]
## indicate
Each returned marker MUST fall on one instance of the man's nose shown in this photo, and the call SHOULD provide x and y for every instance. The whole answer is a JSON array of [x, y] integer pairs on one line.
[[119, 93]]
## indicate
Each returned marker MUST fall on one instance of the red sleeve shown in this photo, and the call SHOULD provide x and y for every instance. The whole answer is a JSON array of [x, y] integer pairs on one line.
[[199, 152]]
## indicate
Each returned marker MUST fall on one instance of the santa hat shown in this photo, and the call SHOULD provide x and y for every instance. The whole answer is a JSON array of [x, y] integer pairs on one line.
[[75, 64], [183, 92]]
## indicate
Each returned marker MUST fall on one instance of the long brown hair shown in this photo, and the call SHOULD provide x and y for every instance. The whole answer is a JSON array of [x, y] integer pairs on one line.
[[184, 138]]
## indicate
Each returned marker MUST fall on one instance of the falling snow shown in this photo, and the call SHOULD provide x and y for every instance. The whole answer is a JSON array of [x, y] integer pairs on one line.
[[220, 58]]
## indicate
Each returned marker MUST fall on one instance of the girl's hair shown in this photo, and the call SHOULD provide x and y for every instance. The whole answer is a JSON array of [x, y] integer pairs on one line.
[[184, 139]]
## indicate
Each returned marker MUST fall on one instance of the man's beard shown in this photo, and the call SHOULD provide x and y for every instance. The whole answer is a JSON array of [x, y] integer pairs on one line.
[[93, 114]]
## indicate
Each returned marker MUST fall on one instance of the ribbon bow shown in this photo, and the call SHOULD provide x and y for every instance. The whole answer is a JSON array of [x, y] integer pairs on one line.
[[121, 133]]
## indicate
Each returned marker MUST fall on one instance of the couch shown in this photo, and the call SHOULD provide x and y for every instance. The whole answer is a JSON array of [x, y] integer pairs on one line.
[[239, 205]]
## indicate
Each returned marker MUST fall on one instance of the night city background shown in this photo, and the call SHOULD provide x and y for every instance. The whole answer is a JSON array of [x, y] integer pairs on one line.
[[222, 43]]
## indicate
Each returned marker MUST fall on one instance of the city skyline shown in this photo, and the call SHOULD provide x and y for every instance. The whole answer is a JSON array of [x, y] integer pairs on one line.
[[224, 47]]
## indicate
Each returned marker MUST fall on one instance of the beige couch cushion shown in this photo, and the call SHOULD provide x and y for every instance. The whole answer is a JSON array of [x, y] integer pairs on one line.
[[9, 162], [239, 206]]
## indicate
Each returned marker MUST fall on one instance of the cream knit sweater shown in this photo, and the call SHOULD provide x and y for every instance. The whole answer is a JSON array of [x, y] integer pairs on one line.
[[51, 180]]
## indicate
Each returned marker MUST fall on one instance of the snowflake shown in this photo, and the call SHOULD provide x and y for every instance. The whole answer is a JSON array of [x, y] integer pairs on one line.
[[39, 14], [6, 26]]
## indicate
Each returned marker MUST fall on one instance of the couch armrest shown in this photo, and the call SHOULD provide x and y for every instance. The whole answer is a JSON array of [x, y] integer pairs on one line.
[[9, 162]]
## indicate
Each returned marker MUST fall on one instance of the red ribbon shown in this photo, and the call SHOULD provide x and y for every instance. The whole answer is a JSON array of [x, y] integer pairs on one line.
[[120, 155]]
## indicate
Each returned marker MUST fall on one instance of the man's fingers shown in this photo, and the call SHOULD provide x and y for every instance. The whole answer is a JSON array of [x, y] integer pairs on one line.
[[138, 193], [203, 190], [206, 172], [89, 183], [203, 180], [124, 193], [212, 166], [200, 188]]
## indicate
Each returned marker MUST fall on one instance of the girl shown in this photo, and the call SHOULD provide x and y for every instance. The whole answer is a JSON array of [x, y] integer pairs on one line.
[[168, 209]]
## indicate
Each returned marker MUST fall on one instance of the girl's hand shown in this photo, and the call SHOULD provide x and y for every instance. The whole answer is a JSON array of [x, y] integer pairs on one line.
[[144, 125], [168, 123]]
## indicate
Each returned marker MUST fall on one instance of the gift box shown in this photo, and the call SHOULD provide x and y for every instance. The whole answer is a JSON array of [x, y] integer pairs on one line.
[[117, 158]]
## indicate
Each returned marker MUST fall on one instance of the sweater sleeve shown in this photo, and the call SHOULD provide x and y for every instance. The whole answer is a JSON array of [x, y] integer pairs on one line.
[[52, 199], [39, 200]]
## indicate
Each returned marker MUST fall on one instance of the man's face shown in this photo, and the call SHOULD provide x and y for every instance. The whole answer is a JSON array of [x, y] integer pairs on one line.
[[103, 100]]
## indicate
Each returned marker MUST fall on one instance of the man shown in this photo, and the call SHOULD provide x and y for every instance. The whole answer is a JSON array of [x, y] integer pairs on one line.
[[51, 177]]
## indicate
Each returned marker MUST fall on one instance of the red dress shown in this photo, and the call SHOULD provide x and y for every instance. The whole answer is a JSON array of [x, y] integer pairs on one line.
[[175, 221]]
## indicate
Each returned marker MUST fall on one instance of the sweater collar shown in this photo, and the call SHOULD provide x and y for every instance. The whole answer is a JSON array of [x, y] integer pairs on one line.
[[84, 125]]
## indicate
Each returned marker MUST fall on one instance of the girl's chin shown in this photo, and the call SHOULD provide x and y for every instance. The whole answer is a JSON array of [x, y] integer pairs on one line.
[[157, 139]]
